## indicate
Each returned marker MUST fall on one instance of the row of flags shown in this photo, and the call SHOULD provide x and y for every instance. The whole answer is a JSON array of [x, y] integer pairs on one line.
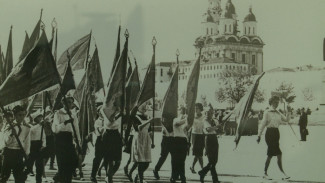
[[37, 71]]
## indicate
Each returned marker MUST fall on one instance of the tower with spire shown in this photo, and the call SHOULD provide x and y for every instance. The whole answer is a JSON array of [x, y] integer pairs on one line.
[[223, 39]]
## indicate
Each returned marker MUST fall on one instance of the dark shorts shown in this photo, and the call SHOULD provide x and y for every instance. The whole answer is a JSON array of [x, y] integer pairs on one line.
[[112, 142], [198, 141], [272, 137]]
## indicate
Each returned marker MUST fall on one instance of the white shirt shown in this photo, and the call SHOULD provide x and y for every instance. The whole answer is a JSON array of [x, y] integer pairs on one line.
[[35, 134], [198, 124], [271, 119], [58, 125], [24, 137], [179, 125], [111, 125]]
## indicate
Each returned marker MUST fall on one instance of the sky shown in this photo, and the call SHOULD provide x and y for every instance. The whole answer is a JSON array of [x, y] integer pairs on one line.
[[292, 30]]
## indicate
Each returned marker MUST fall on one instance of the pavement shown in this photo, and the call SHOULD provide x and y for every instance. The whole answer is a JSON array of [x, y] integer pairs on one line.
[[303, 161]]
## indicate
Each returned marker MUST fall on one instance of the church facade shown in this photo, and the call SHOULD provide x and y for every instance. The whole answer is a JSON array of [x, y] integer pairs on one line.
[[225, 47]]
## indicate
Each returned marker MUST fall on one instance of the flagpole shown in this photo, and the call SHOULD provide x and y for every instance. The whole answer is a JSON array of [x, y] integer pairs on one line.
[[88, 49], [14, 132], [154, 43], [65, 102], [126, 34]]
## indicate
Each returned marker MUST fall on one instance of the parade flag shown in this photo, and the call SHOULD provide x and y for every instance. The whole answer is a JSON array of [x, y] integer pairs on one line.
[[170, 105], [8, 64], [132, 89], [148, 86], [243, 108], [78, 54], [67, 84], [191, 91], [26, 47], [117, 54], [116, 88], [94, 76], [31, 41], [129, 70], [2, 74], [35, 73]]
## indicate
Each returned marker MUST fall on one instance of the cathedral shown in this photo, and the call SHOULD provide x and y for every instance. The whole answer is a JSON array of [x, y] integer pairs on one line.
[[225, 47]]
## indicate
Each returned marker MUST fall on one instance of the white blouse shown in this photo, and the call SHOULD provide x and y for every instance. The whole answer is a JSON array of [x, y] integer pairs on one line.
[[271, 119], [36, 134], [198, 125], [179, 125]]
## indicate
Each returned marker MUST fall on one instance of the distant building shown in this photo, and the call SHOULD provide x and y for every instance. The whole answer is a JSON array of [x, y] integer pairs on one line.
[[224, 48]]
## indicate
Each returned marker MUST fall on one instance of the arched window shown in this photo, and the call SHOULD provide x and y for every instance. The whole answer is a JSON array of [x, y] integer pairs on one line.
[[225, 28], [207, 30], [253, 30], [226, 66], [211, 31], [249, 30], [229, 28]]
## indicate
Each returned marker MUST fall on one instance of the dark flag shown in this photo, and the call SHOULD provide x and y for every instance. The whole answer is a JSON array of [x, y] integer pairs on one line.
[[35, 73], [67, 84], [30, 41], [129, 70], [94, 76], [78, 54], [131, 92], [116, 88], [2, 74], [148, 86], [26, 47], [170, 105], [8, 64], [117, 54], [191, 91], [243, 108]]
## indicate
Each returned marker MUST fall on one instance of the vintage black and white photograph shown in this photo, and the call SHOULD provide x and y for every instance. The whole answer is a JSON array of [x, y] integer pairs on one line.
[[162, 91]]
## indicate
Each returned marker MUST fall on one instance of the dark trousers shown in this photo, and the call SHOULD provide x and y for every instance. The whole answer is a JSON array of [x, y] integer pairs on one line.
[[36, 157], [12, 160], [178, 154], [99, 154], [165, 150], [303, 134], [66, 156], [212, 148], [50, 145], [142, 167]]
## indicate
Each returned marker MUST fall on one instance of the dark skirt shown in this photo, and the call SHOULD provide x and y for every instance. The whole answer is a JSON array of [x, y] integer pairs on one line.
[[272, 137], [112, 142], [212, 148], [128, 145], [198, 141]]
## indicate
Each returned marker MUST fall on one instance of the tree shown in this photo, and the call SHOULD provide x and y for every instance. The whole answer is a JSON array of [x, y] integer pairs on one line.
[[308, 94], [285, 92], [235, 85]]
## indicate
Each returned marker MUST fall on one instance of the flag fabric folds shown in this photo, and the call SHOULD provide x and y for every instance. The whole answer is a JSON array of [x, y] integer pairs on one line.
[[2, 74], [30, 41], [243, 108], [78, 53], [148, 86], [8, 64], [170, 105], [116, 88], [117, 54], [67, 84], [191, 91], [91, 83], [35, 73]]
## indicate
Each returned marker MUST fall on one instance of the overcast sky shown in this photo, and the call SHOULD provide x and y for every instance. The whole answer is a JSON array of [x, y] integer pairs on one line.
[[293, 30]]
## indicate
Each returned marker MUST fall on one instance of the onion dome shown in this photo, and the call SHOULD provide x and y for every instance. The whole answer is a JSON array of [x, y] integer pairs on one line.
[[209, 17], [230, 9], [250, 17]]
